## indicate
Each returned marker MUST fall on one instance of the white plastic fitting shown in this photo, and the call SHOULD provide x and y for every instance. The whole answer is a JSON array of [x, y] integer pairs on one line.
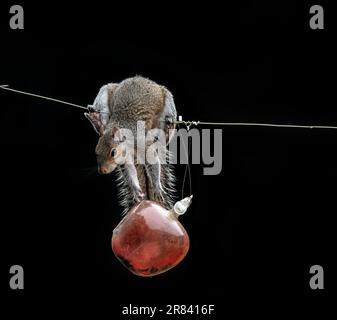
[[181, 206]]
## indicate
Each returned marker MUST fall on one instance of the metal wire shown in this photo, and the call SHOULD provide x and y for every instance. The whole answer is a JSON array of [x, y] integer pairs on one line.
[[187, 167], [6, 87], [252, 124], [188, 124]]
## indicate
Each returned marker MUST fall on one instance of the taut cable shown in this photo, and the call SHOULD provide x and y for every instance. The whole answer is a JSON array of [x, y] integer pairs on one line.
[[252, 124], [6, 87], [188, 124]]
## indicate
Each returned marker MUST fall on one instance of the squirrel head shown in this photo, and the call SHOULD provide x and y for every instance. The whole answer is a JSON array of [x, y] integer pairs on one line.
[[109, 149]]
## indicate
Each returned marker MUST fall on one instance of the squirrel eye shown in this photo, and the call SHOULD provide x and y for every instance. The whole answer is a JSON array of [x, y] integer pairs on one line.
[[113, 153]]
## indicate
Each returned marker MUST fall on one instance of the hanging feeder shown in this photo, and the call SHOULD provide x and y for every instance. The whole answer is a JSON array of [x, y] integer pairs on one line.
[[150, 240]]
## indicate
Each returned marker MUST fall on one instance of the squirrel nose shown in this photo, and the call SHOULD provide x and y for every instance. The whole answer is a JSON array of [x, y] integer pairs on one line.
[[103, 170]]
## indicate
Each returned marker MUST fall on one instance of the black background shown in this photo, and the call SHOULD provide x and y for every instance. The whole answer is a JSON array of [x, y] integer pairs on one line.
[[255, 229]]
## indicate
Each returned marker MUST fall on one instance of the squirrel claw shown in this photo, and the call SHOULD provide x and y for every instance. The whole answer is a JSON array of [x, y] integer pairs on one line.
[[158, 196], [139, 196]]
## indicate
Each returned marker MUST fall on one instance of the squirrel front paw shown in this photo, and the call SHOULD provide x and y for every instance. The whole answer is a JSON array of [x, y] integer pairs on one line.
[[158, 196], [138, 195]]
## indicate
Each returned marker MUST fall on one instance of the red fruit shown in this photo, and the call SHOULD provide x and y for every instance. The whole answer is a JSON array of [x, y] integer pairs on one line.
[[150, 240]]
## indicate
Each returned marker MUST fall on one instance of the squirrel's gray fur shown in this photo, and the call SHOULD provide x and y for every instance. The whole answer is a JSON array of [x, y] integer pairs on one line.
[[119, 106]]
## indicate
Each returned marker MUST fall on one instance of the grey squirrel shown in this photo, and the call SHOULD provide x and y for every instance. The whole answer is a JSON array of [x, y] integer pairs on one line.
[[120, 106]]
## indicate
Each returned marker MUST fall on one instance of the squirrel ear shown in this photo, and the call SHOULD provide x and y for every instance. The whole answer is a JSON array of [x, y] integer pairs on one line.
[[117, 135], [95, 120]]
